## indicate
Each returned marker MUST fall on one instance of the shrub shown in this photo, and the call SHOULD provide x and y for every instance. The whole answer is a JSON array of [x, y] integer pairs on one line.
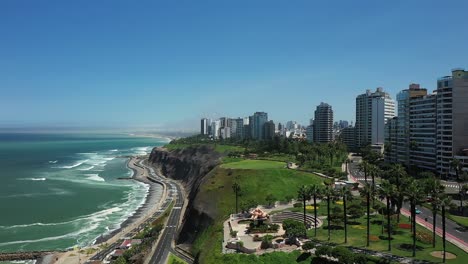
[[360, 258], [308, 245], [233, 233], [323, 251], [297, 205], [424, 237], [257, 238], [343, 255]]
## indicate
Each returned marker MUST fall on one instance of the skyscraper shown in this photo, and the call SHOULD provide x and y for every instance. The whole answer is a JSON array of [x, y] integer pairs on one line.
[[204, 126], [422, 132], [372, 112], [257, 125], [323, 123], [269, 130], [400, 146], [452, 120]]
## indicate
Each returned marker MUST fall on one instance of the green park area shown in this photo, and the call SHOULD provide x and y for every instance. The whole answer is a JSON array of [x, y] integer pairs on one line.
[[173, 259], [257, 179]]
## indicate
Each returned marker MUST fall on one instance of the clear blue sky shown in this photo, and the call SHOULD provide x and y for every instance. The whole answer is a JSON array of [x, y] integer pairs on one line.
[[166, 63]]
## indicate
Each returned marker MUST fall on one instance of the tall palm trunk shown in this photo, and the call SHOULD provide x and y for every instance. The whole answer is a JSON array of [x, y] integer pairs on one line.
[[305, 223], [413, 219], [315, 215], [373, 189], [388, 225], [434, 222], [443, 231], [345, 220], [365, 174], [368, 216], [328, 215]]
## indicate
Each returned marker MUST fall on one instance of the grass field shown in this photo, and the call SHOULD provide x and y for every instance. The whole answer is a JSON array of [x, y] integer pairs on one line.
[[254, 165], [257, 179], [357, 237], [173, 259]]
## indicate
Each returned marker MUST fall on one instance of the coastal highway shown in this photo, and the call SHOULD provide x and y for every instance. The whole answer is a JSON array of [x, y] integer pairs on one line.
[[169, 233]]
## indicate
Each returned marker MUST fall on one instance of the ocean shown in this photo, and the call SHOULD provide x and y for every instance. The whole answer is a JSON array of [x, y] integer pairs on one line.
[[61, 190]]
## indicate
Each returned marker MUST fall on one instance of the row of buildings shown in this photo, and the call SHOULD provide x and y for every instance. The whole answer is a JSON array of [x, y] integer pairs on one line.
[[256, 126], [431, 129], [421, 129]]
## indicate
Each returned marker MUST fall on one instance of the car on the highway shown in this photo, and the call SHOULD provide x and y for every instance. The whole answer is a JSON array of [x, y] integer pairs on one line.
[[417, 211]]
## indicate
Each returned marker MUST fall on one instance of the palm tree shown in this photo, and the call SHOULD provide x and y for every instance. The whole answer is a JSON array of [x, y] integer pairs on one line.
[[445, 201], [345, 192], [435, 190], [399, 177], [329, 193], [414, 193], [457, 166], [315, 192], [366, 192], [236, 188], [304, 194], [387, 190], [364, 167], [373, 171]]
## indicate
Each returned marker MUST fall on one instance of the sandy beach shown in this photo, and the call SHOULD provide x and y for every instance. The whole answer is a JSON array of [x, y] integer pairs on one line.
[[156, 195]]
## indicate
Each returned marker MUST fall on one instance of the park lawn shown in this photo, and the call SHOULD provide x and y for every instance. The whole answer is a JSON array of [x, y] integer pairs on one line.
[[173, 259], [357, 237], [255, 185], [254, 165], [228, 148]]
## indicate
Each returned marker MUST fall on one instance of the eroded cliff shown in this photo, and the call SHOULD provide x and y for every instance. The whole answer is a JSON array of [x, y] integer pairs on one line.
[[190, 166]]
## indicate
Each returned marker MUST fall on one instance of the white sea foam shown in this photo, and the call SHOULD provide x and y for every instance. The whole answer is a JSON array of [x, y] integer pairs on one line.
[[71, 166], [94, 177], [53, 161], [69, 235], [86, 169], [32, 179], [95, 217], [114, 150]]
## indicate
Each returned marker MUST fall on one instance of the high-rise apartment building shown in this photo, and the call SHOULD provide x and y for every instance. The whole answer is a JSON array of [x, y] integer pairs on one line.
[[422, 132], [323, 123], [269, 130], [372, 112], [452, 119], [237, 128], [310, 133], [215, 129], [401, 139], [204, 126], [391, 137], [348, 137], [257, 125]]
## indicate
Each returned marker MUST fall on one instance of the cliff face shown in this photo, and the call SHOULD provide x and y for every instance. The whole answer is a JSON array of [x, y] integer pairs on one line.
[[190, 166]]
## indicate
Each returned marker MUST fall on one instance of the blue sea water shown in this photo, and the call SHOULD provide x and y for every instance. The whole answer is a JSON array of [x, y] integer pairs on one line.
[[61, 190]]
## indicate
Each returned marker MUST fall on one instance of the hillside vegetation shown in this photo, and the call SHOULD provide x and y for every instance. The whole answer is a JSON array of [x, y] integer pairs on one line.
[[257, 180]]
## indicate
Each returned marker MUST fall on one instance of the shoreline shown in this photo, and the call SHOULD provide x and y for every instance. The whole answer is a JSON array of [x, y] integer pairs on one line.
[[143, 209], [133, 223]]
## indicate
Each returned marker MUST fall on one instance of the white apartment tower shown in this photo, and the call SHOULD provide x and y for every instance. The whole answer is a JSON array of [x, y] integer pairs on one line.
[[373, 110]]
